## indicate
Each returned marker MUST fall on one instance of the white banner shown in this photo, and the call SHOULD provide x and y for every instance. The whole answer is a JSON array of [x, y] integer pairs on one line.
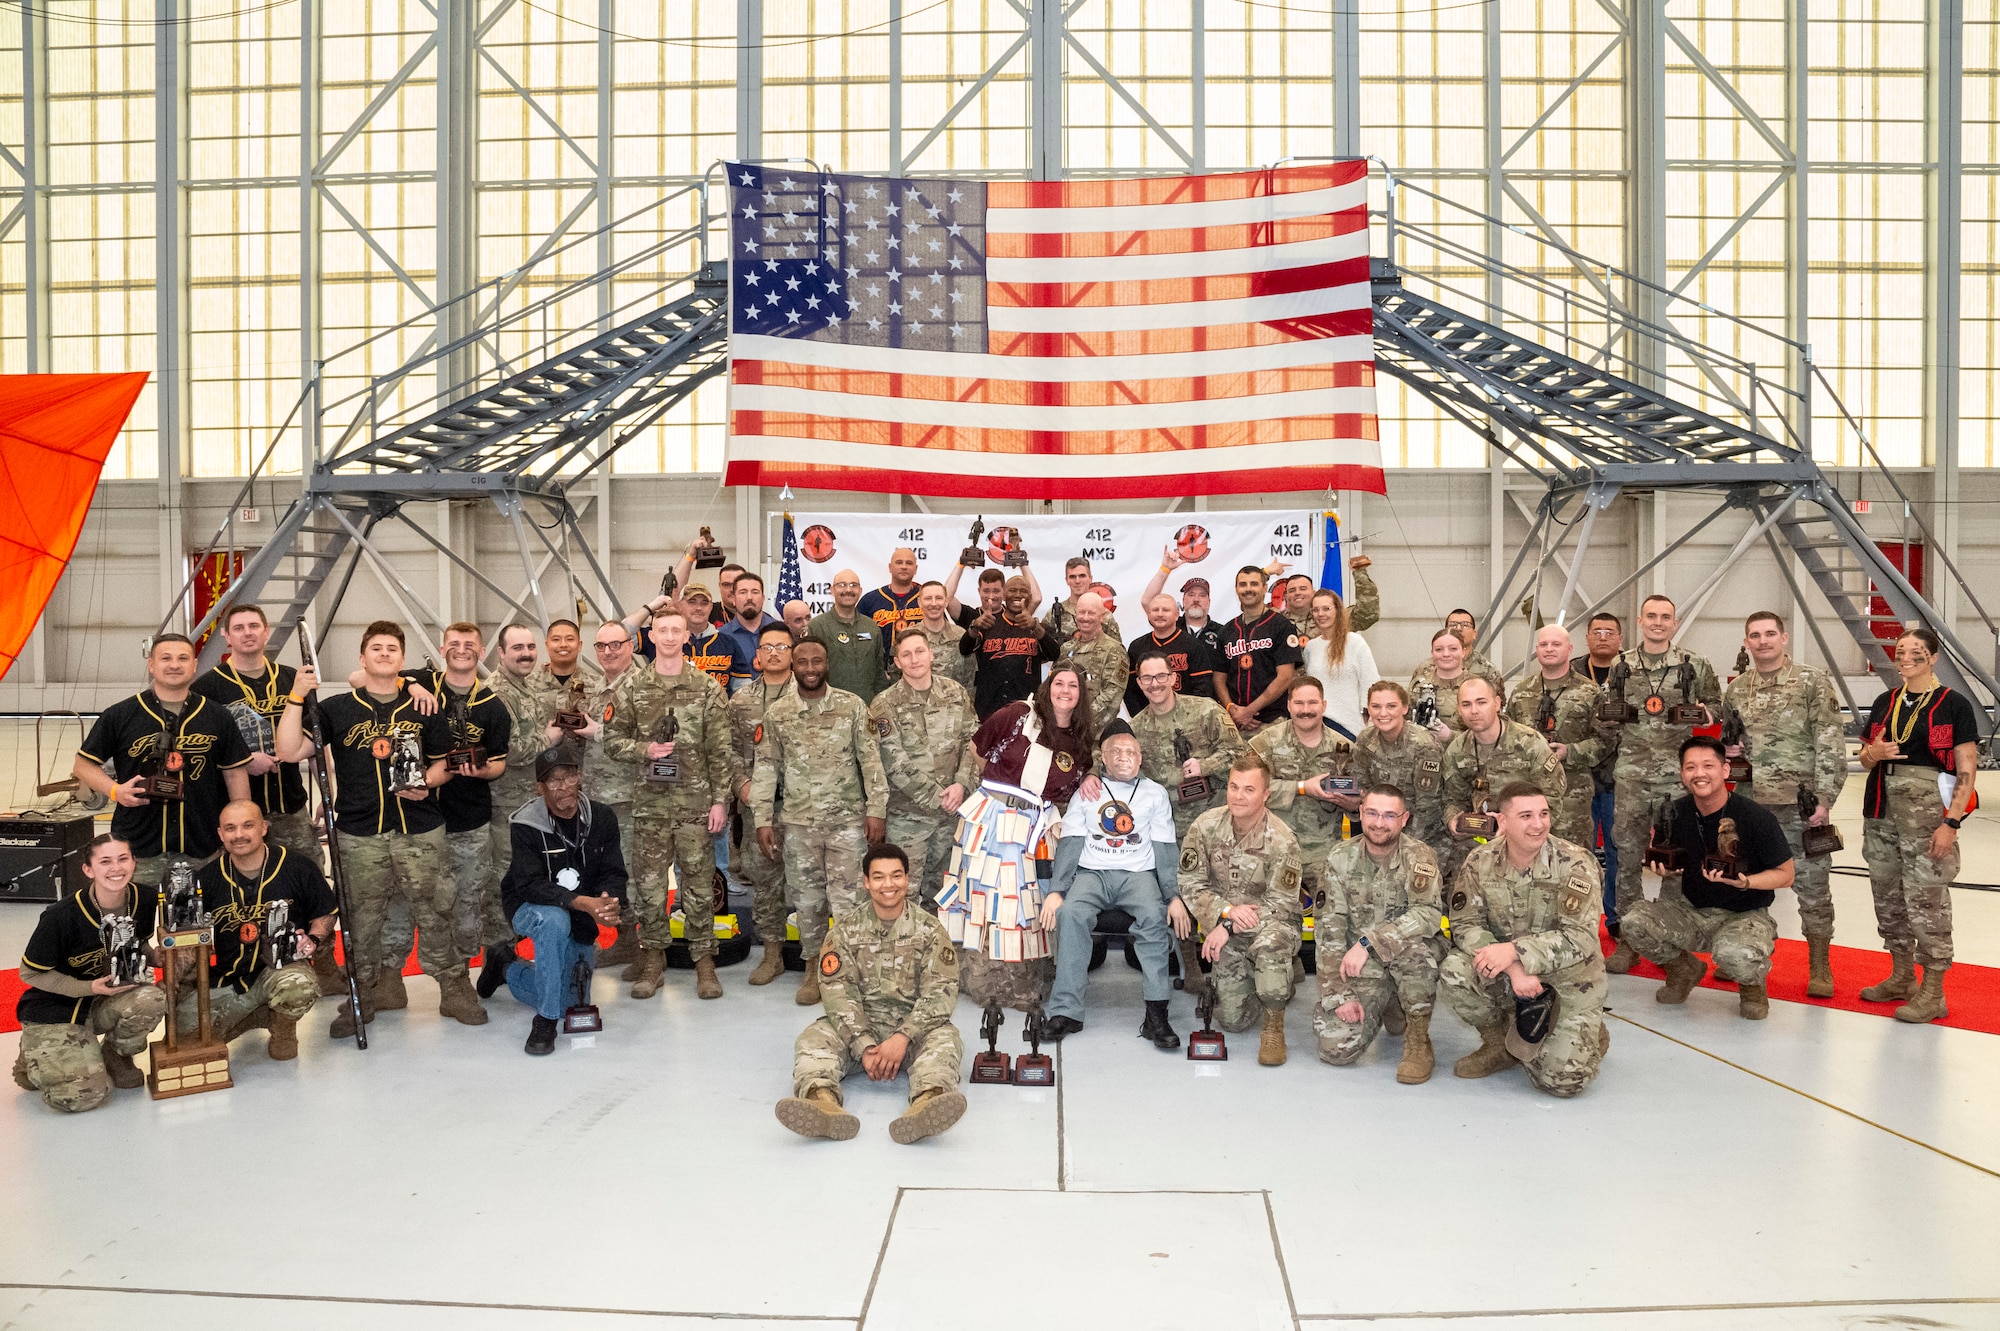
[[1123, 550]]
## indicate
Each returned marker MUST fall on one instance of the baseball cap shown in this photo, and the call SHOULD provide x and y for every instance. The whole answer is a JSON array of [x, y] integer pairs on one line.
[[548, 760], [697, 589], [1195, 585]]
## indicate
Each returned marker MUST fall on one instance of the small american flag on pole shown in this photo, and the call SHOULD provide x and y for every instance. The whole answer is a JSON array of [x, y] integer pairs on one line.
[[1091, 339]]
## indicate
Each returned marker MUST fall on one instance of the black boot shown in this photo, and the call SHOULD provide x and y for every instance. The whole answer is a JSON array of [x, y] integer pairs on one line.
[[493, 970], [542, 1036], [1055, 1028], [1155, 1027]]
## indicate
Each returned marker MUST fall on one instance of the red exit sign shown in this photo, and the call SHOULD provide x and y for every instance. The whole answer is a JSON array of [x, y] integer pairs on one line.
[[1863, 506]]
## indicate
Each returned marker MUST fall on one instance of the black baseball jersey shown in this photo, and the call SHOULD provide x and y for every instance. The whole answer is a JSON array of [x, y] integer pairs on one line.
[[467, 801], [239, 904], [1009, 663], [263, 694], [1188, 656], [67, 941], [1252, 653], [360, 733], [138, 734]]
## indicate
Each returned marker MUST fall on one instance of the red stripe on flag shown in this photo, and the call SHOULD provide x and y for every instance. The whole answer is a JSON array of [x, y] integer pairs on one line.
[[1177, 290], [958, 485], [1133, 191], [1172, 240], [1159, 341], [1088, 393]]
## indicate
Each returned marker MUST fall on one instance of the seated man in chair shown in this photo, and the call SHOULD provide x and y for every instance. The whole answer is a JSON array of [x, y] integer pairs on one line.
[[1117, 852]]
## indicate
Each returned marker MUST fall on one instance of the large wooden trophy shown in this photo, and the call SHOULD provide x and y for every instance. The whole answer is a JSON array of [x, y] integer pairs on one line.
[[187, 932]]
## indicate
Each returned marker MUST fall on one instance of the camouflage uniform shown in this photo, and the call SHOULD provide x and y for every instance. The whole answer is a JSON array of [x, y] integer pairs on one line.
[[1364, 612], [1648, 770], [1793, 737], [879, 978], [1397, 907], [1518, 755], [532, 703], [1105, 667], [1414, 764], [1741, 942], [606, 779], [1254, 972], [289, 991], [822, 753], [670, 818], [946, 659], [63, 1062], [1912, 890], [1549, 912], [764, 873], [1574, 724], [1447, 693], [926, 744], [1212, 737], [1318, 825], [1060, 620]]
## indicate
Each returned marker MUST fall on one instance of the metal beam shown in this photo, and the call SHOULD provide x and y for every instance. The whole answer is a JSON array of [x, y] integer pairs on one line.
[[1798, 218], [1046, 31], [1944, 116], [34, 168], [457, 229], [1198, 84], [749, 80], [311, 304], [170, 377], [1646, 196], [1346, 79]]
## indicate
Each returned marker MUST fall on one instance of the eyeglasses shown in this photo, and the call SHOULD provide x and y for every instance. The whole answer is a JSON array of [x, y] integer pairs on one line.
[[1603, 633], [838, 585], [612, 646]]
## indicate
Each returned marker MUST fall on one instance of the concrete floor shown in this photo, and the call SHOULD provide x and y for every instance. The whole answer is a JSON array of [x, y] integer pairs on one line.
[[1822, 1169]]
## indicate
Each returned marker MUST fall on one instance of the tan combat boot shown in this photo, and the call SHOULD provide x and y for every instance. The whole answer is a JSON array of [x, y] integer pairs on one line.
[[390, 995], [284, 1043], [1753, 1003], [1819, 981], [1418, 1057], [332, 979], [819, 1114], [1901, 984], [1490, 1057], [125, 1074], [1928, 1005], [771, 967], [21, 1077], [343, 1021], [256, 1019], [808, 994], [706, 983], [457, 1001], [930, 1113], [1271, 1041], [1683, 974], [1622, 958], [652, 966], [1193, 982]]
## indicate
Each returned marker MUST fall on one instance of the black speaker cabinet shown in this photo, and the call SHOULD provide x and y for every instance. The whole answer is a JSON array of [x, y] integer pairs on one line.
[[41, 859]]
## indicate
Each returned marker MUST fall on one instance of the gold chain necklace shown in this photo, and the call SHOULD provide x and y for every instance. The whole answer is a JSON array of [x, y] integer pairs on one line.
[[1910, 712]]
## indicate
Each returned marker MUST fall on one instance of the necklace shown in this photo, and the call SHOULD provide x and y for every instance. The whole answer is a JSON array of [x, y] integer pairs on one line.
[[1911, 708]]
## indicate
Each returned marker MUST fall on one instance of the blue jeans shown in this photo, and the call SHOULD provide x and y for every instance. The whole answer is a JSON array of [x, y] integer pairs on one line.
[[1091, 892], [548, 984], [1601, 807]]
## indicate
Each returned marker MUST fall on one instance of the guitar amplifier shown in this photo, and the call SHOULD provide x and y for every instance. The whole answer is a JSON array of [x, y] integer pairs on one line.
[[41, 859]]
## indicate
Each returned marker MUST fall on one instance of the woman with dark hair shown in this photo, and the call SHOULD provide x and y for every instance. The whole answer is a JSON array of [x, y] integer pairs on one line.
[[1921, 754], [1037, 753]]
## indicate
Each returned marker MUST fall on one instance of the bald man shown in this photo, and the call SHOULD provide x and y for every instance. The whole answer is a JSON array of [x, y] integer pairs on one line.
[[854, 661], [894, 606], [1560, 705], [1101, 658], [798, 617]]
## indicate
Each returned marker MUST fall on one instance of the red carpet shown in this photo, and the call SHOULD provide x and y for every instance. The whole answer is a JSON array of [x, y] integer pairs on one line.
[[1971, 992]]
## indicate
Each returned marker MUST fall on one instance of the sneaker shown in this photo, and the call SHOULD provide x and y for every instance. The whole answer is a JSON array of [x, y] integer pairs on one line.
[[541, 1036]]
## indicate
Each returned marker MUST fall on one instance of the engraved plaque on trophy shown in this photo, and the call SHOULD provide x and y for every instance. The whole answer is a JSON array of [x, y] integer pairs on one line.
[[1820, 841], [1007, 540], [571, 717], [974, 555], [665, 769], [160, 777], [707, 554], [1207, 1045], [990, 1066], [1477, 821], [1192, 787], [1034, 1068]]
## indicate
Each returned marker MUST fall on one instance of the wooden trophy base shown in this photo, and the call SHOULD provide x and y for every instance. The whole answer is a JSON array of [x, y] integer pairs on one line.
[[1207, 1047], [992, 1068], [188, 1070], [1034, 1070]]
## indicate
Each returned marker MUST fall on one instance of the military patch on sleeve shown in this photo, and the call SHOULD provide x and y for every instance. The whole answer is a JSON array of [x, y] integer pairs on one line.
[[829, 964], [1552, 764], [1573, 902], [1288, 880], [1319, 899], [882, 726], [1190, 861], [1458, 901], [947, 954]]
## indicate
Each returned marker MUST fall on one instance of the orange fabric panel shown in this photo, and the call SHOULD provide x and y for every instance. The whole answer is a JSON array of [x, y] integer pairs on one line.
[[55, 432]]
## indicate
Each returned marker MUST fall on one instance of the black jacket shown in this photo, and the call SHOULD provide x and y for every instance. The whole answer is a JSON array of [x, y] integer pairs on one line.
[[540, 857]]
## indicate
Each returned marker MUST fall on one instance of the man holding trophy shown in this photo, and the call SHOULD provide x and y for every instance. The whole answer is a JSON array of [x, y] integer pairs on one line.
[[253, 688], [272, 913], [1483, 759]]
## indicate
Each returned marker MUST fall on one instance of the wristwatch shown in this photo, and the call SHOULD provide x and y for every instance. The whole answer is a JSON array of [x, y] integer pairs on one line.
[[1954, 823]]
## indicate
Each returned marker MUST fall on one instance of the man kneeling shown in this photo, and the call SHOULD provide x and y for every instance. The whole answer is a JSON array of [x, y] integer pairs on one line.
[[1116, 853], [70, 1001], [1734, 857], [1525, 970], [1375, 938], [238, 890], [567, 878], [889, 980]]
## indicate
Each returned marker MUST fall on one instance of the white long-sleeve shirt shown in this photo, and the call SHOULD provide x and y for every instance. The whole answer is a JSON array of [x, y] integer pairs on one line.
[[1346, 684]]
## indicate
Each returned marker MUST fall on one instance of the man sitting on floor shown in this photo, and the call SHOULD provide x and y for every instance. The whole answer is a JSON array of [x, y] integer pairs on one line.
[[1734, 859], [1117, 852], [889, 980], [568, 877], [238, 889]]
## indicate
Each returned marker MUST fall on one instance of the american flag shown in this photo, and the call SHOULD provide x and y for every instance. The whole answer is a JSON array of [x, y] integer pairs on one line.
[[791, 585], [1100, 339]]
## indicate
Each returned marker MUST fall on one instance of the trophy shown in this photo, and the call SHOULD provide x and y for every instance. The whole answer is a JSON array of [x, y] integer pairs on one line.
[[669, 584], [973, 556], [1341, 780], [180, 899], [1686, 713], [707, 554], [125, 951], [161, 772], [991, 1066], [1193, 787], [1007, 540], [1425, 713], [665, 769], [282, 943], [1742, 660], [1727, 860], [1545, 716], [1734, 737], [1207, 1045], [581, 1017], [1817, 842], [406, 762], [1612, 709], [255, 727], [1477, 822], [571, 717], [465, 757], [1662, 847], [1034, 1068]]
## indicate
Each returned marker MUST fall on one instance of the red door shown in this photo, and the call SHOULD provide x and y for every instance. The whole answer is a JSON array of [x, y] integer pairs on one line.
[[1887, 627]]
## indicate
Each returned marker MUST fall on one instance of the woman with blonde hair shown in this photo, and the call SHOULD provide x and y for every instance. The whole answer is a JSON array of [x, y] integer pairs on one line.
[[1341, 661]]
